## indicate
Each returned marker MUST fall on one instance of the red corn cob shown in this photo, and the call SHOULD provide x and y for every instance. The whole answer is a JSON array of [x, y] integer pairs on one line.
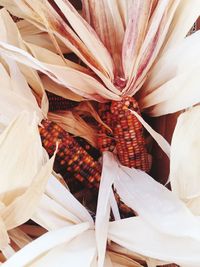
[[71, 158], [128, 133]]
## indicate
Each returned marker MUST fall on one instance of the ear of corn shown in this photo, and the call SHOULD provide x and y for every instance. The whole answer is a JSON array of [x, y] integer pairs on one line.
[[71, 158], [128, 133], [73, 161], [57, 103]]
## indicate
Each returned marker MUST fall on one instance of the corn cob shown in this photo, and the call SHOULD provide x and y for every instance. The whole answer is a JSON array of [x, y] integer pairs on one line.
[[105, 138], [73, 161], [71, 158], [57, 103], [128, 133]]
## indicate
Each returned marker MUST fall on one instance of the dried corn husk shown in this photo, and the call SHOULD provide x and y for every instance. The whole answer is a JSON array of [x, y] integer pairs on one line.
[[186, 14], [141, 234], [10, 34], [111, 32], [63, 209], [103, 208], [68, 236], [47, 85], [185, 178], [75, 125], [23, 183], [41, 248], [31, 34], [78, 82], [161, 19], [16, 96], [169, 87], [165, 227], [145, 195], [59, 90]]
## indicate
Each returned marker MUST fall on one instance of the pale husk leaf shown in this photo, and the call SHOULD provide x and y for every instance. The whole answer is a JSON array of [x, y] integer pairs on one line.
[[17, 8], [58, 192], [111, 32], [177, 94], [65, 209], [76, 81], [169, 87], [153, 40], [124, 10], [24, 161], [35, 249], [11, 35], [46, 56], [42, 15], [186, 14], [25, 169], [51, 215], [103, 206], [16, 95], [185, 177], [18, 211], [75, 125], [34, 35], [138, 236], [173, 62], [83, 246], [59, 90], [135, 34], [146, 196], [87, 35]]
